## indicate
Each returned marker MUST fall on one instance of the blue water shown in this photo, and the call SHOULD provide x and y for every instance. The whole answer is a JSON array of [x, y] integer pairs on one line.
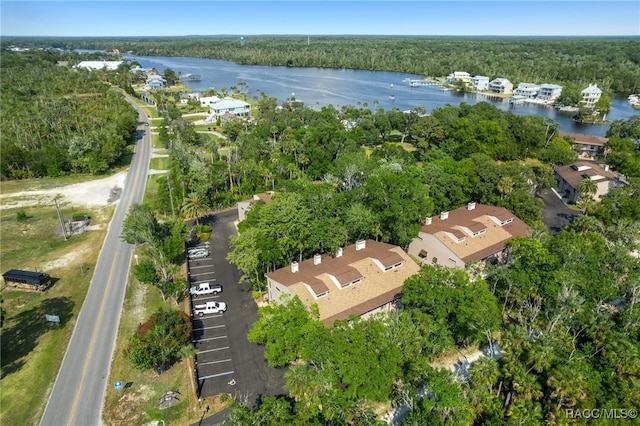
[[318, 87]]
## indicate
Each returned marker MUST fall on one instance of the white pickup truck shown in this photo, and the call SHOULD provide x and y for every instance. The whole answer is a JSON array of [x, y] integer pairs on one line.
[[205, 288], [209, 308]]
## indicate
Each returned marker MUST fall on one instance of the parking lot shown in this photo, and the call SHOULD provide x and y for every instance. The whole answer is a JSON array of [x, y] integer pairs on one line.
[[226, 361]]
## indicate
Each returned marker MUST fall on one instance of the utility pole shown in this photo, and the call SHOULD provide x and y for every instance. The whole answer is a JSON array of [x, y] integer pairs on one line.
[[61, 219], [173, 211]]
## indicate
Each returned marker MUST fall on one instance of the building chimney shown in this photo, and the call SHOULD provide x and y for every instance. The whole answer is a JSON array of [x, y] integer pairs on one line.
[[471, 206], [427, 221], [361, 244], [339, 252], [444, 215], [317, 259], [294, 267]]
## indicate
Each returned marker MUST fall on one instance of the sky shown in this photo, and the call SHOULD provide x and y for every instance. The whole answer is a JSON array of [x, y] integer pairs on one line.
[[90, 18]]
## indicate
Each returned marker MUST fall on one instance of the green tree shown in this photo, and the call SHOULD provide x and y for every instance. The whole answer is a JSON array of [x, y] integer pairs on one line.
[[160, 341], [281, 327], [193, 208], [468, 309], [140, 226]]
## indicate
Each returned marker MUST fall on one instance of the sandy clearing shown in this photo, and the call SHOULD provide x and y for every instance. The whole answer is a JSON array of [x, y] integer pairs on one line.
[[94, 193]]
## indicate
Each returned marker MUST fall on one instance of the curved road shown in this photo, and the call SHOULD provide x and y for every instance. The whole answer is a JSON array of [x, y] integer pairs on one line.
[[78, 393]]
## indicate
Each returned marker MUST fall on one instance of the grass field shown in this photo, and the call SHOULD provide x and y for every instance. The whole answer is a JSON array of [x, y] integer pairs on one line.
[[32, 349]]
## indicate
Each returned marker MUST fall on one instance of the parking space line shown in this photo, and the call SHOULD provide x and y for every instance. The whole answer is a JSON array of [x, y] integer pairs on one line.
[[204, 281], [216, 375], [203, 266], [210, 338], [214, 362], [213, 350], [211, 316], [193, 272], [207, 328]]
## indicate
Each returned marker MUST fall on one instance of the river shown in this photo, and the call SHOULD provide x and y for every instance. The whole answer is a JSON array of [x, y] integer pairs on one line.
[[318, 87]]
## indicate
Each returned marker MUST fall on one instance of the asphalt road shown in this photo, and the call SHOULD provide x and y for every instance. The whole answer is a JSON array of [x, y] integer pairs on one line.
[[79, 389], [228, 362], [555, 214]]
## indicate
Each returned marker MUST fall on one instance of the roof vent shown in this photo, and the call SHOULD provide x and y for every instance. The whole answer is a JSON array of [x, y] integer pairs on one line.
[[444, 215], [317, 259], [294, 267], [339, 252], [471, 206], [360, 245]]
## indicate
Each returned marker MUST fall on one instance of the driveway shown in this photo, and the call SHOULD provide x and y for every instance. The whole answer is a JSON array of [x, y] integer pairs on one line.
[[555, 214], [228, 362]]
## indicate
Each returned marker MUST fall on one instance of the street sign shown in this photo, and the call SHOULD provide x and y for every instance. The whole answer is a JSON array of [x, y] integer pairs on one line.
[[117, 385], [52, 318]]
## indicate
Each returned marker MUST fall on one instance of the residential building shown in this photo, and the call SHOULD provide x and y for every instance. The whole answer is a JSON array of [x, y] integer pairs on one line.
[[99, 65], [475, 232], [588, 146], [463, 76], [155, 81], [591, 95], [501, 85], [480, 82], [207, 101], [569, 177], [549, 92], [361, 279], [234, 106], [527, 90], [245, 206]]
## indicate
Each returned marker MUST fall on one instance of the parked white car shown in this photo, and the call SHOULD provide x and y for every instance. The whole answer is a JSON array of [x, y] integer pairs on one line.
[[205, 288], [209, 308]]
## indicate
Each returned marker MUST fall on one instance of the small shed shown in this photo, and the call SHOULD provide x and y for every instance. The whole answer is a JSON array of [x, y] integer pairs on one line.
[[28, 280]]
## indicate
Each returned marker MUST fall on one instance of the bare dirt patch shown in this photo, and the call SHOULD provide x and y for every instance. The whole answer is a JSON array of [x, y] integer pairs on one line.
[[93, 193]]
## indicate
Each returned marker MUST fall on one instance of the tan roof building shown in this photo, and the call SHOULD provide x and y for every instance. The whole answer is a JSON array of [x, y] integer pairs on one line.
[[360, 279], [245, 206], [569, 177], [471, 233], [590, 146]]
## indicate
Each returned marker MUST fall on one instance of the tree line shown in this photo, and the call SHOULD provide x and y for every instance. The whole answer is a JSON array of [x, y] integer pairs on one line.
[[573, 62]]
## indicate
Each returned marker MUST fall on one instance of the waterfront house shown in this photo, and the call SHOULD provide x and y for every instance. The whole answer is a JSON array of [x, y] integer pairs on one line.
[[229, 105], [527, 90], [155, 81], [475, 232], [207, 101], [501, 85], [549, 92], [480, 82], [361, 279], [463, 76], [587, 146], [569, 177], [591, 95]]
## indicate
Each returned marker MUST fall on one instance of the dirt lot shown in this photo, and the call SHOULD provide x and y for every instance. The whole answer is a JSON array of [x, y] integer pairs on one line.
[[93, 193]]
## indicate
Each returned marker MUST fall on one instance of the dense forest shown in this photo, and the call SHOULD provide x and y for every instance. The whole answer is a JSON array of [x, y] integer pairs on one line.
[[564, 311], [613, 63], [57, 120]]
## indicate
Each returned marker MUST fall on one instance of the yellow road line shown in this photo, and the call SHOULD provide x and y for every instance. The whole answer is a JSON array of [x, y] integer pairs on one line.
[[91, 344]]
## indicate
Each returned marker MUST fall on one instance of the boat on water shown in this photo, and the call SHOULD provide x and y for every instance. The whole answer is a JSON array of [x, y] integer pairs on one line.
[[634, 100], [392, 98], [190, 77]]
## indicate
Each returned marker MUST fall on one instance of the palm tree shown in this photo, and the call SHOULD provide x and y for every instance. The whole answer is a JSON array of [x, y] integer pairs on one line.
[[505, 186], [193, 208], [587, 188]]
